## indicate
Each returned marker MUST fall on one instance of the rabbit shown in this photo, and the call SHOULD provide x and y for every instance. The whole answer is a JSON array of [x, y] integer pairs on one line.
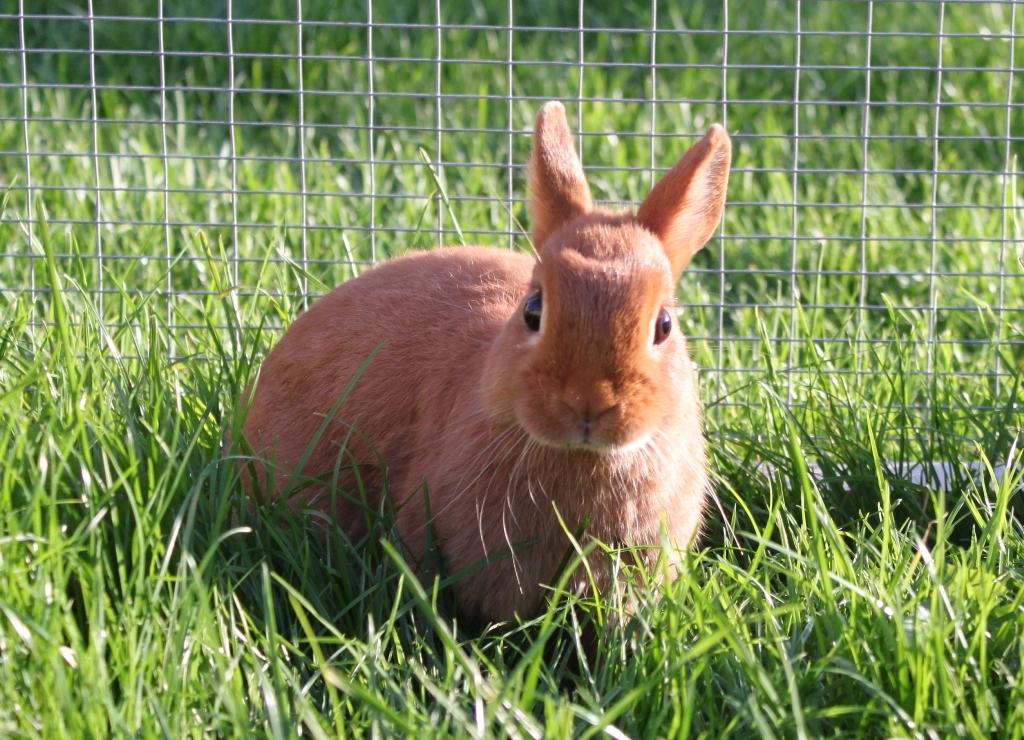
[[502, 400]]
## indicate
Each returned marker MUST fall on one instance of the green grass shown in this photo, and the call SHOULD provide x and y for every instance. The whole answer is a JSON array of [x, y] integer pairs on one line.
[[837, 592]]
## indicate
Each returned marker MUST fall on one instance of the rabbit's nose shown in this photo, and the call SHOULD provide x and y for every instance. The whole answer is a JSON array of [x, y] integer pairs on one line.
[[590, 407]]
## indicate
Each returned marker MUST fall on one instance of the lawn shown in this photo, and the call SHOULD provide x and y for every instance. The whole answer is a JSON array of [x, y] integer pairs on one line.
[[858, 322]]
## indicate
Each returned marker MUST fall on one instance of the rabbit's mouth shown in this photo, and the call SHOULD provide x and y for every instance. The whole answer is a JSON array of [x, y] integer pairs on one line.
[[573, 437], [604, 448], [614, 429]]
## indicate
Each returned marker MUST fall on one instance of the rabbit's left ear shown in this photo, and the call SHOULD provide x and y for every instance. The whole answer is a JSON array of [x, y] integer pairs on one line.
[[684, 208], [558, 189]]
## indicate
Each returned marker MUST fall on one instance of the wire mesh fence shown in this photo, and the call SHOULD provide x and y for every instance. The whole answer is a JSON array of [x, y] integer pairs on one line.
[[230, 160]]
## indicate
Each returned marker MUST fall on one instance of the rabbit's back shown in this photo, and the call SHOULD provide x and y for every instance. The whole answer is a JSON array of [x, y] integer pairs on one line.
[[376, 366]]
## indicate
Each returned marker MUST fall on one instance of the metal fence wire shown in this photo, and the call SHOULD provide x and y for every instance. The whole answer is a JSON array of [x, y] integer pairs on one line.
[[257, 152]]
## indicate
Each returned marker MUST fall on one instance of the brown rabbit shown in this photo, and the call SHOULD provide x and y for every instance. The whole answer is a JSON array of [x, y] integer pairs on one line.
[[503, 391]]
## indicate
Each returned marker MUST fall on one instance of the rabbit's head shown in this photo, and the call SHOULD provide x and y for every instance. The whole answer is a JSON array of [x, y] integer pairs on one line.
[[593, 358]]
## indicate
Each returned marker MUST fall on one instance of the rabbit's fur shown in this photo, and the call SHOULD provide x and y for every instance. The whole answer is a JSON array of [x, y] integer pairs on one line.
[[426, 365]]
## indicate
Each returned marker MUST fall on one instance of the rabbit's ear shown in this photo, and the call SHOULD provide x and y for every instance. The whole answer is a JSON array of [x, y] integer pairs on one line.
[[558, 190], [684, 208]]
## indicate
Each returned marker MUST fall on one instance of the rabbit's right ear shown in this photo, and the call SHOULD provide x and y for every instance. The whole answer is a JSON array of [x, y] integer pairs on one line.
[[685, 207], [558, 190]]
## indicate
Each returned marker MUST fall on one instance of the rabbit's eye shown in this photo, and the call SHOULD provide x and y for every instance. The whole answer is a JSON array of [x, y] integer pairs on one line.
[[531, 312], [662, 326]]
